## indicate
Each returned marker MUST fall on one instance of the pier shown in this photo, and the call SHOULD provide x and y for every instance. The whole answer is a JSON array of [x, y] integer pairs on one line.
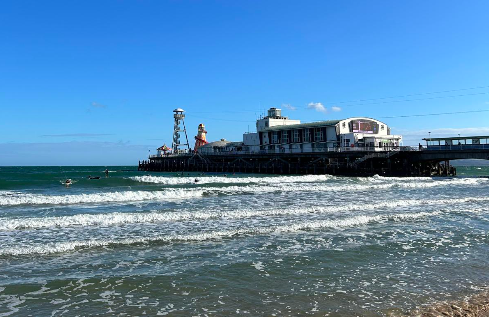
[[356, 146], [430, 160]]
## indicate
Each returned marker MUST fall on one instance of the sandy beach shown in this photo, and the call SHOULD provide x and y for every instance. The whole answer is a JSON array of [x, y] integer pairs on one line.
[[474, 306]]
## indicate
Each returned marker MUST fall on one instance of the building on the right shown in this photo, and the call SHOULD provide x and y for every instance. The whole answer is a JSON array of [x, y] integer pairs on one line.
[[278, 134]]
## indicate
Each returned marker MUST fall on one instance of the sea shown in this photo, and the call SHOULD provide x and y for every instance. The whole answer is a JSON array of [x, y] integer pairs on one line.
[[155, 244]]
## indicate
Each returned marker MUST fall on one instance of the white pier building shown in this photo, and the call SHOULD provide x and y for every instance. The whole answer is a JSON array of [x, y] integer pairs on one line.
[[279, 134]]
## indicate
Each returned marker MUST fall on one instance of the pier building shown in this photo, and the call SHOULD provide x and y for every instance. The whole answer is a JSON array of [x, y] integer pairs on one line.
[[279, 134]]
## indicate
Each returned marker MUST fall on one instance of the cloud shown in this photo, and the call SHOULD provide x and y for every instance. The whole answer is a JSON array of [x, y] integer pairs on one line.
[[287, 106], [336, 109], [98, 105], [76, 135], [316, 106]]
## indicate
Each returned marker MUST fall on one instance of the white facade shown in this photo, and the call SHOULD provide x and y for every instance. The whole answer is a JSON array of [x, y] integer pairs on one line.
[[277, 134], [251, 141], [352, 134]]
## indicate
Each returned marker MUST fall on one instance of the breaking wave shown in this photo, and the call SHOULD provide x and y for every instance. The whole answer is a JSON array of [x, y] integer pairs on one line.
[[69, 246], [232, 180], [114, 219], [13, 198], [309, 183], [315, 181]]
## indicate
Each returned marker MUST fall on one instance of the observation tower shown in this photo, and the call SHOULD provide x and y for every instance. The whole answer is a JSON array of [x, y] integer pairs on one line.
[[178, 128]]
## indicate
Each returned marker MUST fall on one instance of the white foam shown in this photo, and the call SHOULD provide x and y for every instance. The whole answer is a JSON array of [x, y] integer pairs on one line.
[[126, 196], [312, 183], [232, 179], [113, 219], [345, 187], [204, 236]]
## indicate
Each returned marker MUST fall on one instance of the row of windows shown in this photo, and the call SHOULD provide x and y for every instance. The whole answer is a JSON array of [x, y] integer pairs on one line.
[[298, 136]]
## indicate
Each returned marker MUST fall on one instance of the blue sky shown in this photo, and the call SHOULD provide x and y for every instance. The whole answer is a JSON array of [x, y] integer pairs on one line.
[[95, 82]]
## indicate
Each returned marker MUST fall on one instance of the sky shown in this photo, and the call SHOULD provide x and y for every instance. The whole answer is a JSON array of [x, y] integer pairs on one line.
[[95, 82]]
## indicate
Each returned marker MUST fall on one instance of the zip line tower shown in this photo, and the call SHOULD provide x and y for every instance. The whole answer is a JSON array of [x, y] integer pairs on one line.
[[177, 130]]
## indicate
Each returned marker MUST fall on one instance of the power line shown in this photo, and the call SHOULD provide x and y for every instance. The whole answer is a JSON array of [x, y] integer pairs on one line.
[[410, 100], [362, 102], [419, 99], [436, 114], [218, 119], [411, 95]]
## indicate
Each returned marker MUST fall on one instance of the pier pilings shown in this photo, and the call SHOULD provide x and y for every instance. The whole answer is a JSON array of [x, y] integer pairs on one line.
[[348, 164]]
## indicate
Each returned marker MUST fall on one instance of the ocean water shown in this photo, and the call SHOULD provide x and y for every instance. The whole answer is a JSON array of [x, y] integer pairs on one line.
[[141, 243]]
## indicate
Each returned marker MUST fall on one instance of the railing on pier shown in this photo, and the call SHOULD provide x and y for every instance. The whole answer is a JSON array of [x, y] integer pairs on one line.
[[460, 147], [365, 149]]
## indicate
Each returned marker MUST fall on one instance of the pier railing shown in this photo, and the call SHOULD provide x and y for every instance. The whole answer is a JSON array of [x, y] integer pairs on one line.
[[368, 149], [459, 147]]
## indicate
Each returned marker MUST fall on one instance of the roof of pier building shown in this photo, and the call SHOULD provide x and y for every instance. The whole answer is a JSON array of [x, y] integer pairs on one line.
[[318, 124], [458, 138], [304, 125]]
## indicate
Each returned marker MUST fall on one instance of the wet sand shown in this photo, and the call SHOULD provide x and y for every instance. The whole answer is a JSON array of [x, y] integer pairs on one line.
[[475, 306]]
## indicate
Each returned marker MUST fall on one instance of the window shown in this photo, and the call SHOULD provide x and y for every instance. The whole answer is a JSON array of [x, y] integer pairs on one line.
[[344, 124], [296, 136], [285, 137], [307, 135], [274, 137], [318, 136]]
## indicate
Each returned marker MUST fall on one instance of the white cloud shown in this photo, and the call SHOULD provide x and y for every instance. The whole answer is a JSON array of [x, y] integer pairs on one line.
[[98, 105], [316, 106], [336, 109], [288, 106]]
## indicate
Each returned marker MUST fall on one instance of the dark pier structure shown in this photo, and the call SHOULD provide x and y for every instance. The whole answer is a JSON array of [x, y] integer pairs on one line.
[[431, 160]]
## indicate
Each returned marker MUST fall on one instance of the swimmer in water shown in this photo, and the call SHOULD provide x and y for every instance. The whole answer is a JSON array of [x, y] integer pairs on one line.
[[68, 182], [196, 180]]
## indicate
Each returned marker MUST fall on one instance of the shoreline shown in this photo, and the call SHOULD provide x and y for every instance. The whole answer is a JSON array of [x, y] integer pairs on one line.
[[476, 305]]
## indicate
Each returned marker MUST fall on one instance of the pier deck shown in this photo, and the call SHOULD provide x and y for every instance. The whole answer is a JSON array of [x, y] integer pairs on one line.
[[404, 161]]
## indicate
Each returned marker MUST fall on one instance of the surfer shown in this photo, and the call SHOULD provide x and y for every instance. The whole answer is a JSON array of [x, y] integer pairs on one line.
[[196, 180], [106, 173], [68, 182]]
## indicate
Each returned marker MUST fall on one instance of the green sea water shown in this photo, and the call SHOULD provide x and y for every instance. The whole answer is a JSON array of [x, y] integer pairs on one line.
[[138, 243]]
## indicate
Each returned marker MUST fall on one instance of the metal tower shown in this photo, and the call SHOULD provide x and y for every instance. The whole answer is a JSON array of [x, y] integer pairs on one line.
[[179, 119]]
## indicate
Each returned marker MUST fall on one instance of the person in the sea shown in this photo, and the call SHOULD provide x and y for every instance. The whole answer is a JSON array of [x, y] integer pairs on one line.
[[106, 173]]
